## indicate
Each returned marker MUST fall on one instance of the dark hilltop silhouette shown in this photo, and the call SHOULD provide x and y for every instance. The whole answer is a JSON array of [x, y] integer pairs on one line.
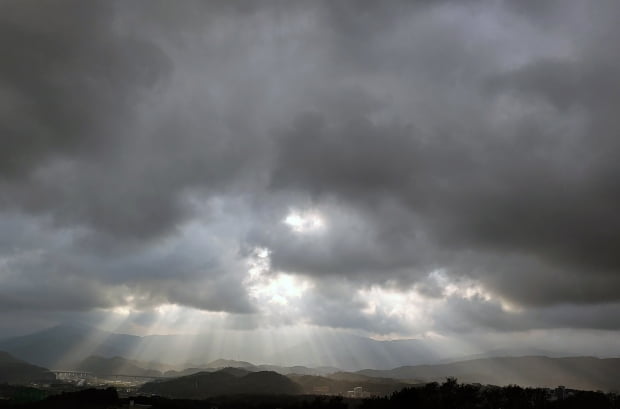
[[229, 381]]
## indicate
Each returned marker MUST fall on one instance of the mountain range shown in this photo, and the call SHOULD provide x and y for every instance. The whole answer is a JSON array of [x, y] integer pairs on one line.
[[241, 381], [102, 366], [66, 346], [587, 373], [575, 372], [106, 353]]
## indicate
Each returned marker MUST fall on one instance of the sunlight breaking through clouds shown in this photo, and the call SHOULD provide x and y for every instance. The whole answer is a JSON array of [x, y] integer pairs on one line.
[[284, 299], [267, 287], [305, 221]]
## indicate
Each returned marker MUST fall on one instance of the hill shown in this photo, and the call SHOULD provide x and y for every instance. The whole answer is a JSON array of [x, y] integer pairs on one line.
[[248, 366], [298, 369], [228, 363], [584, 373], [16, 371], [340, 383], [510, 352], [224, 382]]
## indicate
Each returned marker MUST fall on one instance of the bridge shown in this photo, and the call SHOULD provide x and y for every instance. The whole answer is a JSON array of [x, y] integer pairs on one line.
[[122, 377], [69, 374]]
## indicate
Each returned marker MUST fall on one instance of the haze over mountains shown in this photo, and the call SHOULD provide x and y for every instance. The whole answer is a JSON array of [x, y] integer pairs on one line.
[[13, 370], [104, 353], [68, 345], [236, 380], [584, 373], [537, 371]]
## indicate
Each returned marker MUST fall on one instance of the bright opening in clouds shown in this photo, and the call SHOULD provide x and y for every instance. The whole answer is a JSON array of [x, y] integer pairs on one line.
[[305, 222]]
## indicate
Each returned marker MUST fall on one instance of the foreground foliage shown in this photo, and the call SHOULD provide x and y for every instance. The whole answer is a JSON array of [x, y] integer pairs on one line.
[[448, 395], [452, 395]]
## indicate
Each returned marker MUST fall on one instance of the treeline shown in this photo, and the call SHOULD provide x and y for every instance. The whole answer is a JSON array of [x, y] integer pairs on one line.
[[84, 399], [452, 395], [250, 402], [109, 399], [448, 395]]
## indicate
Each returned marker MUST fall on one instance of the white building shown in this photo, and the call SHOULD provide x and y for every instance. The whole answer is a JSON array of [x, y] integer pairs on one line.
[[358, 392]]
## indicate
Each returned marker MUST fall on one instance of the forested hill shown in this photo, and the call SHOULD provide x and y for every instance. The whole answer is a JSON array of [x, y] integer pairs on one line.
[[224, 382], [13, 370]]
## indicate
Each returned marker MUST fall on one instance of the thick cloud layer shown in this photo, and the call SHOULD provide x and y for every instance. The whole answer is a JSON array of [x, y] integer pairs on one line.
[[353, 161]]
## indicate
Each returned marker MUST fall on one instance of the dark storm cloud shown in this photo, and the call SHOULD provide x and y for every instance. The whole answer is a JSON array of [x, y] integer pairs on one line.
[[68, 81], [355, 156], [540, 188], [157, 145], [476, 314], [350, 245], [86, 130], [70, 88]]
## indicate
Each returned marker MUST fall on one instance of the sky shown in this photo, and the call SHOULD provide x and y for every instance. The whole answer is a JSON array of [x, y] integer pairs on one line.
[[404, 169]]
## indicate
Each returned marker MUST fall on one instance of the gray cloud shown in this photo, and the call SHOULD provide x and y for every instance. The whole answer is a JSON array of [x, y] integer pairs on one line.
[[42, 268], [476, 314], [148, 149], [69, 82], [534, 180]]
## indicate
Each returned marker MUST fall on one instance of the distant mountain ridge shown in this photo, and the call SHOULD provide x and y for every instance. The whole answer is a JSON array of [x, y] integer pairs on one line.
[[66, 346], [353, 352], [16, 371], [229, 363], [220, 364], [510, 352], [585, 373], [85, 348]]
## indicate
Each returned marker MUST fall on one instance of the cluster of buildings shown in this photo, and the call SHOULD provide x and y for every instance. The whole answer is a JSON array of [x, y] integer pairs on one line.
[[358, 392], [561, 393]]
